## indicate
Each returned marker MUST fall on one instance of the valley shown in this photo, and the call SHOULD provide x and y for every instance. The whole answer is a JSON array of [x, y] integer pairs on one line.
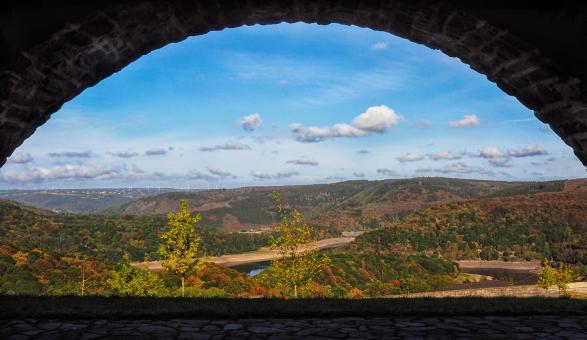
[[382, 237]]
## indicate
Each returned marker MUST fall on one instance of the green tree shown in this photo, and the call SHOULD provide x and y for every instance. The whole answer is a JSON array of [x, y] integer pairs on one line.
[[564, 276], [129, 280], [179, 245], [298, 262], [547, 276]]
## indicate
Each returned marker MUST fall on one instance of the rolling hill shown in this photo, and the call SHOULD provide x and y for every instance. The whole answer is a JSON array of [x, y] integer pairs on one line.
[[424, 224], [522, 225], [350, 205]]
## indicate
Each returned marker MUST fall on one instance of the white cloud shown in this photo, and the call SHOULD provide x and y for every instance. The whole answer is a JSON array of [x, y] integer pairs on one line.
[[376, 119], [21, 158], [490, 153], [63, 172], [529, 151], [359, 174], [313, 134], [501, 159], [381, 45], [226, 146], [251, 122], [410, 157], [303, 161], [280, 175], [387, 172], [445, 155], [466, 122]]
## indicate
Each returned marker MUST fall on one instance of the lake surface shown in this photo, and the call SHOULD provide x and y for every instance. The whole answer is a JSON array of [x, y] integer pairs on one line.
[[252, 269]]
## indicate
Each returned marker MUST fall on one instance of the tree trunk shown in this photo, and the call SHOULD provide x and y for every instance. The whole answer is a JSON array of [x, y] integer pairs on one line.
[[296, 291], [83, 279], [182, 286]]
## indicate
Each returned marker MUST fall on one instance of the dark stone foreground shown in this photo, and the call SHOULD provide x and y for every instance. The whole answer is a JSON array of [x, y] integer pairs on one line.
[[481, 327]]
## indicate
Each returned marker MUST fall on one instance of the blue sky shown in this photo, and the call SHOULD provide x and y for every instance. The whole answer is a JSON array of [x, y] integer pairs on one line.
[[288, 104]]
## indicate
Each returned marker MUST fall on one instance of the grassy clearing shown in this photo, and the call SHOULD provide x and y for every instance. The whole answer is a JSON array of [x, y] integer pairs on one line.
[[116, 307]]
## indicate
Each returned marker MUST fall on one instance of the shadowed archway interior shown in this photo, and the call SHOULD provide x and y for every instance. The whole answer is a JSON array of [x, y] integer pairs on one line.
[[51, 54]]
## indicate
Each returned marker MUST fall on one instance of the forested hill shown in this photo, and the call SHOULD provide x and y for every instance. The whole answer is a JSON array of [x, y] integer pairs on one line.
[[513, 227], [101, 237], [346, 205]]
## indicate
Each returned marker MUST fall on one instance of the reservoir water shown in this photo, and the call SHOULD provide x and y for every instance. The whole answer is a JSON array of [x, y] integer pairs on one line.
[[252, 269]]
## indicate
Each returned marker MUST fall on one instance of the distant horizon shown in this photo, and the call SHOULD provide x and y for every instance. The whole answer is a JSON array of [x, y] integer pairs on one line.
[[288, 104], [155, 188]]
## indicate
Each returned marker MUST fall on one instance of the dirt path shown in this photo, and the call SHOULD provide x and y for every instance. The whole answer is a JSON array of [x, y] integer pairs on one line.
[[263, 254], [530, 266]]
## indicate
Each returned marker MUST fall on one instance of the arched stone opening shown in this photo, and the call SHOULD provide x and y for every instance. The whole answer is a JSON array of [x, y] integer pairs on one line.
[[52, 54]]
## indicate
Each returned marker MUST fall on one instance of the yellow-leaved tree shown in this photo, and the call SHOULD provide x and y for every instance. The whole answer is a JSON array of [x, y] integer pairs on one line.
[[299, 261], [179, 245]]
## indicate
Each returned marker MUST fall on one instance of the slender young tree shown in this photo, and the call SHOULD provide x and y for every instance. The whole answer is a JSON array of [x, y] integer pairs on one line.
[[547, 276], [179, 245], [299, 261]]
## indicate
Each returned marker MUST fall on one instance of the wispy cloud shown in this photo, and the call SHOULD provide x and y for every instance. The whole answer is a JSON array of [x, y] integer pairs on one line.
[[467, 121], [226, 146], [303, 161], [220, 173], [259, 175], [528, 151], [65, 172], [363, 152], [445, 155], [502, 158], [156, 152], [387, 172], [504, 162], [381, 45], [423, 123], [124, 154], [251, 122], [410, 157], [72, 154], [199, 176], [377, 119], [20, 158], [457, 168]]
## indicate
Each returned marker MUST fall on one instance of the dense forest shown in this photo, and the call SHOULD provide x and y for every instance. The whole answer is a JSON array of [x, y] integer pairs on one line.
[[350, 205], [523, 227], [49, 253]]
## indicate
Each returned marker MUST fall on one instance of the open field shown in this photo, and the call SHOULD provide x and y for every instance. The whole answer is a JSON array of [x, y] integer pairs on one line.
[[143, 307], [263, 254]]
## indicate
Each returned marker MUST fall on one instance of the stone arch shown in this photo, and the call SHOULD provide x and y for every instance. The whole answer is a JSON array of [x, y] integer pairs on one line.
[[74, 47]]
